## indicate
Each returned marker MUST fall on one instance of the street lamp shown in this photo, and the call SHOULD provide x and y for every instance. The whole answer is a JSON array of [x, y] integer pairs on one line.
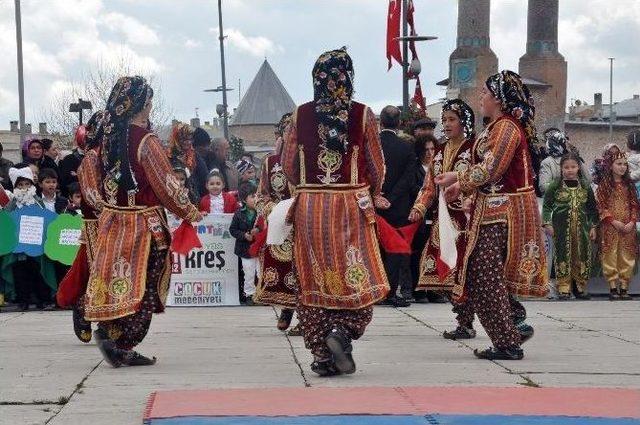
[[611, 100], [224, 77], [20, 73], [78, 107]]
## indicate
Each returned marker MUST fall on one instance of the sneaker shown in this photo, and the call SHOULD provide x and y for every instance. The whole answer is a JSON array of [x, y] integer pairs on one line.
[[624, 295], [461, 332], [341, 348], [325, 368], [285, 319], [492, 353]]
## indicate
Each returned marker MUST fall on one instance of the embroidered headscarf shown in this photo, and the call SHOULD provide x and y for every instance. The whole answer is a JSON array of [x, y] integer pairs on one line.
[[556, 142], [515, 100], [94, 132], [178, 154], [464, 113], [128, 97], [282, 124], [332, 92]]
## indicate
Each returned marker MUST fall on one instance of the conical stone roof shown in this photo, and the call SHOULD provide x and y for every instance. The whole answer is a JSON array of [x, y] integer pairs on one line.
[[266, 100]]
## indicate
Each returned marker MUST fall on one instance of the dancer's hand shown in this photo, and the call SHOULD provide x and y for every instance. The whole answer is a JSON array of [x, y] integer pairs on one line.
[[548, 229], [248, 236], [381, 202], [200, 216], [446, 179], [629, 227], [467, 203], [452, 192], [618, 225], [414, 215], [593, 234]]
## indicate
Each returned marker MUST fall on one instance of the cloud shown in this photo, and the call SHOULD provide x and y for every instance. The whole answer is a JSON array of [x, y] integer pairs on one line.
[[192, 44], [134, 31], [258, 46]]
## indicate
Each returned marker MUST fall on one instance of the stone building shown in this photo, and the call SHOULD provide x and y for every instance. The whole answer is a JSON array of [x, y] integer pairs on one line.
[[10, 139], [542, 67], [260, 109]]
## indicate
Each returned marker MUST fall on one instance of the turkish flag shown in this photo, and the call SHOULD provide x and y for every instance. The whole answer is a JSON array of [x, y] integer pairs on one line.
[[418, 97], [393, 32]]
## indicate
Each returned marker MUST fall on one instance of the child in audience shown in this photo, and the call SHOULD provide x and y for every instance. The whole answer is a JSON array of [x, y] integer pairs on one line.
[[246, 172], [24, 274], [48, 183], [75, 199], [217, 201], [243, 228], [633, 144], [618, 207], [570, 216]]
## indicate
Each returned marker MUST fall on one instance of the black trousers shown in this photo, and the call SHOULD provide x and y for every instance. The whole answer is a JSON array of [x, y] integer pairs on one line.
[[28, 282], [397, 267]]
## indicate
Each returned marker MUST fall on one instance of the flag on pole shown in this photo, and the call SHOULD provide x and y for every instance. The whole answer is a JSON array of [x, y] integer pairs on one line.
[[393, 32], [418, 97]]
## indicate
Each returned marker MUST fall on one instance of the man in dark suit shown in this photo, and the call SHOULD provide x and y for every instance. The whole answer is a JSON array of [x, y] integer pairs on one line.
[[398, 187]]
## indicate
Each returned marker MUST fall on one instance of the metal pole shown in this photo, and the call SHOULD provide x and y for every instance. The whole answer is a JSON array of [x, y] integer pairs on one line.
[[20, 71], [611, 100], [224, 77], [405, 58]]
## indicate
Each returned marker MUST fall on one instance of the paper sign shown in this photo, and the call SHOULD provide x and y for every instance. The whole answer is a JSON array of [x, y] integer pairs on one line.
[[70, 237], [63, 238], [31, 230]]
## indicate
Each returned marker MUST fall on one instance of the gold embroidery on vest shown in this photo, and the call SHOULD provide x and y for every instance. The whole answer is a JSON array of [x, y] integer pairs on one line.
[[303, 172], [354, 165]]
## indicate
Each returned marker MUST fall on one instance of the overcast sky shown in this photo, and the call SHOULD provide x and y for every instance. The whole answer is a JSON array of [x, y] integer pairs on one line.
[[176, 41]]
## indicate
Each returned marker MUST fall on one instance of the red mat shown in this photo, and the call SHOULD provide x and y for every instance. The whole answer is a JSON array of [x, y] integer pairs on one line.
[[590, 402]]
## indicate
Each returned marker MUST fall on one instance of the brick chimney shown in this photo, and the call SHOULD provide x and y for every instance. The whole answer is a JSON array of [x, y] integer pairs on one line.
[[597, 105], [13, 126], [195, 122], [42, 128]]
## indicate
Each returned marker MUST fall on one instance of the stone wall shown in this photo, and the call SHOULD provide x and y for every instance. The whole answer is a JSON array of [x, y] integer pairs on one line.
[[590, 138], [254, 134]]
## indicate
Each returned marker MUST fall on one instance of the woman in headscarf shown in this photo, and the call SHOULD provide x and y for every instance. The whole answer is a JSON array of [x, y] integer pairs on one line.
[[505, 252], [332, 154], [557, 145], [130, 272], [458, 122], [277, 282], [183, 155], [74, 285]]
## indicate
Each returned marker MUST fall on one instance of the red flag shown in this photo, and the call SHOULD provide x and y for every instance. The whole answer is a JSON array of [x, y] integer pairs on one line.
[[412, 26], [393, 32], [418, 96]]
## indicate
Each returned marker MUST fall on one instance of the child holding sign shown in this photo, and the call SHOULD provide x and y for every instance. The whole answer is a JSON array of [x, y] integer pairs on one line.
[[26, 272], [243, 228]]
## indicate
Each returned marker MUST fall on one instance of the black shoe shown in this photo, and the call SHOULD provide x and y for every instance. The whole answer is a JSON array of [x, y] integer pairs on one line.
[[325, 367], [420, 297], [492, 353], [249, 302], [564, 296], [583, 296], [526, 332], [40, 306], [133, 358], [108, 349], [400, 302], [461, 332], [285, 319], [341, 348], [614, 295], [24, 306], [624, 295], [295, 331], [436, 298]]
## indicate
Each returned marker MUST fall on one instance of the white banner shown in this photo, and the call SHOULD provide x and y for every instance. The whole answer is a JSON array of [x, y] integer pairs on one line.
[[207, 276]]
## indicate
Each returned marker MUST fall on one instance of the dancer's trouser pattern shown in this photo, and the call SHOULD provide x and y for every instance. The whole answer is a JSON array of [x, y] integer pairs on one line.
[[129, 331], [488, 292], [317, 322]]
